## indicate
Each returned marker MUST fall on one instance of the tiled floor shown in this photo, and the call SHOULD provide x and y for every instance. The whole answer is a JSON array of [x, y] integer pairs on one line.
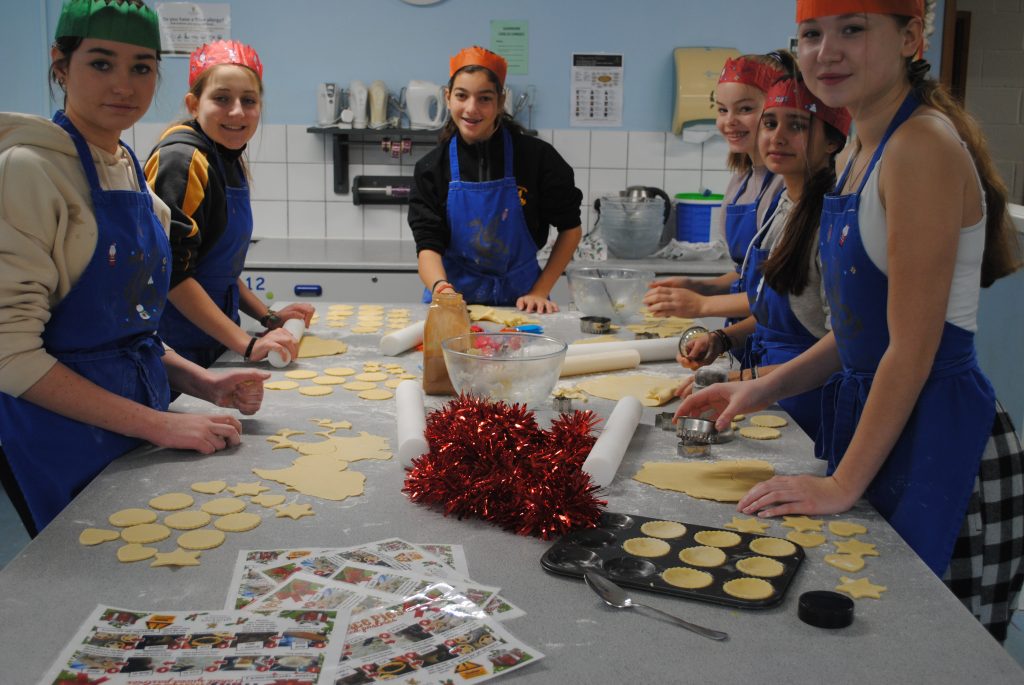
[[13, 537]]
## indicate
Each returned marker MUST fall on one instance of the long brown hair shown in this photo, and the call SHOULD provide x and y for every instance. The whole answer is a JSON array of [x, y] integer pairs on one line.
[[504, 119]]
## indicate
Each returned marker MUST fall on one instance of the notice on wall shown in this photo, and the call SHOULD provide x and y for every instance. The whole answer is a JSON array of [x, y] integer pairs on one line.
[[511, 40], [184, 26], [596, 91]]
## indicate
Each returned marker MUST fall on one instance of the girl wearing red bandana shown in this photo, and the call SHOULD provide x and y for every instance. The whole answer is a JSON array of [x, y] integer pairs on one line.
[[198, 170], [916, 225]]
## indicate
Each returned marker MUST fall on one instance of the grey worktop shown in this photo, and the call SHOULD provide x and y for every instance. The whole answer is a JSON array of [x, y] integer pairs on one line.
[[315, 254], [917, 633]]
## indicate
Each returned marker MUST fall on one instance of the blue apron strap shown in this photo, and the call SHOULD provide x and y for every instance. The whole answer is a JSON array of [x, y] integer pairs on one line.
[[743, 187], [453, 159]]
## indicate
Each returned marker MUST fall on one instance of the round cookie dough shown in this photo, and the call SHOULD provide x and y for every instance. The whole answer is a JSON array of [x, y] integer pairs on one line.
[[268, 500], [210, 487], [663, 529], [328, 380], [224, 506], [131, 552], [365, 329], [392, 383], [768, 421], [237, 523], [187, 520], [131, 517], [763, 567], [806, 539], [376, 394], [749, 588], [646, 547], [707, 557], [760, 433], [339, 371], [372, 376], [281, 385], [301, 374], [717, 538], [146, 533], [172, 501], [773, 547], [359, 385], [315, 390], [687, 578], [201, 539]]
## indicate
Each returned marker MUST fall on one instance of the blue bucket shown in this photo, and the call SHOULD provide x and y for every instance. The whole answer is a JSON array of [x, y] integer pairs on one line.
[[693, 216]]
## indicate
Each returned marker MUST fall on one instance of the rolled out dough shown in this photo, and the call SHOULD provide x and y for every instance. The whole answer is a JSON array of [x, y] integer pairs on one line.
[[723, 481], [312, 346], [652, 391]]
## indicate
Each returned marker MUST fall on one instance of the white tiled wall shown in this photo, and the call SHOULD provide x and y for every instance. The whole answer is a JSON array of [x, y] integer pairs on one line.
[[293, 175]]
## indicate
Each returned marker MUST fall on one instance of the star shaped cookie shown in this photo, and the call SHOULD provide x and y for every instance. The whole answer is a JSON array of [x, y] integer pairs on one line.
[[861, 587], [178, 557], [251, 489], [802, 523], [747, 525], [294, 511], [862, 549]]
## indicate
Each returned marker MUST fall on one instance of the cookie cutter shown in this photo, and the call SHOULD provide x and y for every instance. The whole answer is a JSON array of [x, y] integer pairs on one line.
[[695, 430], [688, 335], [663, 420], [595, 324]]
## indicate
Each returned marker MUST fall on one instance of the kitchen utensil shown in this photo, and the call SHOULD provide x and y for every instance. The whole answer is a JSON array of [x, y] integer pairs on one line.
[[378, 98], [512, 367], [632, 227], [653, 350], [616, 294], [614, 596], [420, 98], [357, 97], [606, 455], [691, 333], [328, 103], [595, 324], [697, 430]]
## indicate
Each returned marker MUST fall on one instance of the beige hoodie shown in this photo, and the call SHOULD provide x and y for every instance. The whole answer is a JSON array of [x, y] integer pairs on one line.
[[47, 234]]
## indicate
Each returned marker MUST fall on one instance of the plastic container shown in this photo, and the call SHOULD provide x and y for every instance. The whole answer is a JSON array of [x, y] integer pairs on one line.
[[693, 216], [616, 294], [511, 367], [446, 318], [632, 228]]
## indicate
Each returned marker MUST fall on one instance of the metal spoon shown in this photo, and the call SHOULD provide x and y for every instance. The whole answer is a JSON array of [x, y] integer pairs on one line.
[[615, 596]]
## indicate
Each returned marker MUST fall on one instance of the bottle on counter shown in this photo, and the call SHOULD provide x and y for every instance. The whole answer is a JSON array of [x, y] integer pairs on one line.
[[447, 317]]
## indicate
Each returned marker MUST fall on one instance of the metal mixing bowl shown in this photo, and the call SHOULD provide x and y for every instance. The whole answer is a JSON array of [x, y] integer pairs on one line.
[[513, 367]]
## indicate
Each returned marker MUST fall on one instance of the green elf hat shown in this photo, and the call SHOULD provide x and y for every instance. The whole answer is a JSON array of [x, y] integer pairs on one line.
[[119, 20]]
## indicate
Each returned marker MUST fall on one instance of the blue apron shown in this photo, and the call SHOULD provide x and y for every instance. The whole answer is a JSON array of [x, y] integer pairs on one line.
[[926, 481], [217, 273], [491, 258], [105, 331]]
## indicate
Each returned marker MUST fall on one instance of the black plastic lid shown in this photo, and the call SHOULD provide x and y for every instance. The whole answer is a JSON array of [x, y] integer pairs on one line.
[[825, 609]]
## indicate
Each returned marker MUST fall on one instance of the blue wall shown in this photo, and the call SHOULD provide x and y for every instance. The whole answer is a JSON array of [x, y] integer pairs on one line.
[[305, 42]]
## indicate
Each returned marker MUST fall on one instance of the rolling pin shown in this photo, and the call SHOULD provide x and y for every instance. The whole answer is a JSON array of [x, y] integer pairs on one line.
[[396, 343], [605, 456], [411, 420], [296, 327], [651, 350], [600, 361]]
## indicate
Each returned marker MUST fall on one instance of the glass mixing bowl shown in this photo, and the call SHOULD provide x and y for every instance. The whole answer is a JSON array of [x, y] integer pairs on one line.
[[617, 294], [512, 367]]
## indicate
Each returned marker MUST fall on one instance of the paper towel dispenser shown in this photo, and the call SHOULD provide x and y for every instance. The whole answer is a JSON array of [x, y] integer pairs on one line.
[[697, 72]]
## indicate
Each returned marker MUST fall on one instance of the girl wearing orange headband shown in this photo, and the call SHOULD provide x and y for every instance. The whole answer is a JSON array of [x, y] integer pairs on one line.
[[917, 225], [198, 170], [483, 200]]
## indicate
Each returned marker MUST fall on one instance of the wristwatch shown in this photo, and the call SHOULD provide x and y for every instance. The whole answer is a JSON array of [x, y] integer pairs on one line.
[[270, 319]]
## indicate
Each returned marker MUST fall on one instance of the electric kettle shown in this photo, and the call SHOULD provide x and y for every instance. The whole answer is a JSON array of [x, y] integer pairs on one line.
[[420, 98]]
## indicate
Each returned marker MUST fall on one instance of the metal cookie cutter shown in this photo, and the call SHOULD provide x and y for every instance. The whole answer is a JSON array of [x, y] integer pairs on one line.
[[695, 437], [663, 421], [688, 335], [595, 324]]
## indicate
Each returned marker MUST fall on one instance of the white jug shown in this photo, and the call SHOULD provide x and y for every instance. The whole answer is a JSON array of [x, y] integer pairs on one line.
[[420, 97], [378, 105], [357, 95]]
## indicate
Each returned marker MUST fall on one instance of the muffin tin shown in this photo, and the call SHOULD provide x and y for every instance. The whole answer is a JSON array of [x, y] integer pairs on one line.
[[601, 548]]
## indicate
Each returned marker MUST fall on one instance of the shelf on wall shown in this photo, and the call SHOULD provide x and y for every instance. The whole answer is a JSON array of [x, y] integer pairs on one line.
[[343, 137]]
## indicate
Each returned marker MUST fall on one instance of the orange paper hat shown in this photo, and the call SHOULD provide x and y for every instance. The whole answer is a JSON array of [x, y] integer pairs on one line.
[[792, 93], [222, 52], [812, 9], [750, 73], [481, 57]]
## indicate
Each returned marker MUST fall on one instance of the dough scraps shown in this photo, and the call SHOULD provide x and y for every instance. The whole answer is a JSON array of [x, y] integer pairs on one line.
[[762, 567], [717, 538], [295, 511], [846, 528], [172, 501], [806, 539], [845, 562], [760, 433], [280, 385], [316, 390], [268, 501], [646, 547], [237, 523], [686, 578], [359, 385], [178, 557], [652, 391], [339, 371], [773, 547], [372, 376], [210, 487], [722, 481], [802, 523], [96, 536], [187, 520], [707, 557], [319, 475], [201, 539], [663, 529], [248, 489], [506, 317], [133, 551], [747, 525], [768, 421], [749, 588], [224, 506], [857, 547], [301, 374], [131, 517], [146, 533], [376, 394], [861, 587], [328, 380], [312, 346]]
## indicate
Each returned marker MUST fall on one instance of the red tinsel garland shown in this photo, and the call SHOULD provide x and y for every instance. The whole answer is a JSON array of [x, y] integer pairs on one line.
[[491, 461]]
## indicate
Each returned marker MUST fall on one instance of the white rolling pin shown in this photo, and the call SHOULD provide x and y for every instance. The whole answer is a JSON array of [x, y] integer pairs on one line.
[[411, 420], [401, 340], [605, 456], [651, 349], [296, 327], [601, 361]]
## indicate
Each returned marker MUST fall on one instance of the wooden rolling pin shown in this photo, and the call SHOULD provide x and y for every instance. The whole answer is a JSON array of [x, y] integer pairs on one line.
[[600, 361]]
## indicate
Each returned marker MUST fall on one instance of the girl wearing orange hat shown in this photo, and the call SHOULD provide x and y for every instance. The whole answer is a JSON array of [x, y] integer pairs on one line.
[[484, 199], [917, 224], [198, 170]]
